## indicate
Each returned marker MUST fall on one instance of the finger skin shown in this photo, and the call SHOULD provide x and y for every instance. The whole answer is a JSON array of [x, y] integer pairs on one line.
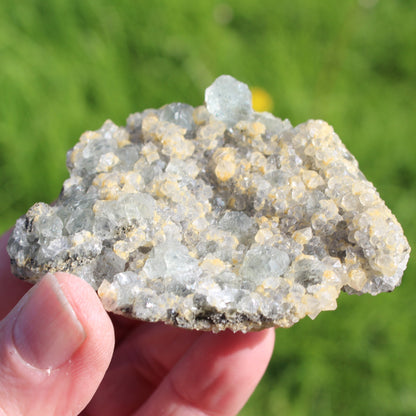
[[216, 376], [165, 370], [66, 390], [139, 365]]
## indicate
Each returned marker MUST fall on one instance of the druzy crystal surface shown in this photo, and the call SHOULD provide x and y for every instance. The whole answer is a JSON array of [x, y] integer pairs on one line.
[[214, 217]]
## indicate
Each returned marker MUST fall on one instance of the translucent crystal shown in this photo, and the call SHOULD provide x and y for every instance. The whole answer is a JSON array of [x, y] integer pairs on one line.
[[228, 100], [264, 261], [214, 217], [178, 113]]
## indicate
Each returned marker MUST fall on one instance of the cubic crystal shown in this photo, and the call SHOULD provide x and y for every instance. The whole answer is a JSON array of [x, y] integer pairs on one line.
[[228, 100]]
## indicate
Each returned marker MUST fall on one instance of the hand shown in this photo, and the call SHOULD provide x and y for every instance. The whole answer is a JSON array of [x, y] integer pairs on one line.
[[61, 354]]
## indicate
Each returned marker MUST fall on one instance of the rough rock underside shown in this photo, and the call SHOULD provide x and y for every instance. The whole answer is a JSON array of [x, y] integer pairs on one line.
[[214, 217]]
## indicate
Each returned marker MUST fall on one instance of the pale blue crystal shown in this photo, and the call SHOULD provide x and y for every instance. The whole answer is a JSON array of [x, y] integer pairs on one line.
[[229, 100], [264, 261], [179, 114]]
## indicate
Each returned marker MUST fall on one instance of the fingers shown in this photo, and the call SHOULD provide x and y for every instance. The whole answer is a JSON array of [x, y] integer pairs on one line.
[[55, 347], [165, 370], [12, 289], [123, 326], [139, 365], [216, 376]]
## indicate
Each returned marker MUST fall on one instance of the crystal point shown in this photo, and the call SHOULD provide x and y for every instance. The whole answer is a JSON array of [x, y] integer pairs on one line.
[[228, 100]]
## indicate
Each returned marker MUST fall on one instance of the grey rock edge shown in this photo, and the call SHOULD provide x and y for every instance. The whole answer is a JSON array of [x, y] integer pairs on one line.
[[214, 217]]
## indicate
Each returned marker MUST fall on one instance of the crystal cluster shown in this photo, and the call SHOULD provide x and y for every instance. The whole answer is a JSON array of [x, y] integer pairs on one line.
[[214, 217]]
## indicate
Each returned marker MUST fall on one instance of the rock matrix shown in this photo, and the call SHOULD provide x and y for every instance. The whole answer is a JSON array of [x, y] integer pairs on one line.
[[214, 217]]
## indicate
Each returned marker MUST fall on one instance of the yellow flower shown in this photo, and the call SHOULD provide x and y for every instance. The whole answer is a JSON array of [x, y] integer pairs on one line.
[[262, 101]]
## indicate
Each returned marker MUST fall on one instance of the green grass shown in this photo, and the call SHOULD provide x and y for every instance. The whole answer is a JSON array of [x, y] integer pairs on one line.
[[67, 65]]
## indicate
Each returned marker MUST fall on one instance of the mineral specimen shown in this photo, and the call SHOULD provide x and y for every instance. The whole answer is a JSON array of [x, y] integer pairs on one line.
[[214, 217]]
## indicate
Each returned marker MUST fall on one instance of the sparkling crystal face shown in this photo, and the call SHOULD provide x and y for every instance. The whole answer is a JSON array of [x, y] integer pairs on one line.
[[214, 217], [229, 100]]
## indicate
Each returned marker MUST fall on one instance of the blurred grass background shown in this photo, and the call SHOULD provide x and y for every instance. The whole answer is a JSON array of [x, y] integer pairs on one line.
[[67, 65]]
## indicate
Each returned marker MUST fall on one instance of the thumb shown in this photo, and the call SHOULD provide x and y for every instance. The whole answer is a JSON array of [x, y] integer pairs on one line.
[[55, 346]]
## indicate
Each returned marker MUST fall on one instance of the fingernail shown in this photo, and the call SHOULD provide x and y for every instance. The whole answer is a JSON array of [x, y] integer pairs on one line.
[[47, 331]]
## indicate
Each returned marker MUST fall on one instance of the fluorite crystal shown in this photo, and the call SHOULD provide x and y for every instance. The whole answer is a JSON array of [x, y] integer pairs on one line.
[[214, 217]]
